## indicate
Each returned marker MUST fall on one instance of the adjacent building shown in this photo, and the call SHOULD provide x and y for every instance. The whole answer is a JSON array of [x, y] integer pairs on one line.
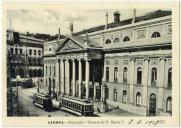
[[24, 56], [127, 63]]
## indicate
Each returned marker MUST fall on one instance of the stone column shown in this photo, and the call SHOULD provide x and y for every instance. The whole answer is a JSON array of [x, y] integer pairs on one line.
[[57, 76], [44, 73], [87, 78], [73, 76], [62, 77], [67, 79], [80, 76], [131, 72], [145, 81], [160, 81], [94, 91]]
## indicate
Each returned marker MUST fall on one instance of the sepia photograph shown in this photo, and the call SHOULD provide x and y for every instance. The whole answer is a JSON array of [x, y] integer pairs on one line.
[[107, 62]]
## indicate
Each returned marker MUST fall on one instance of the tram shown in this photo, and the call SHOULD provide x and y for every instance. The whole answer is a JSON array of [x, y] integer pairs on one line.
[[77, 106], [43, 101]]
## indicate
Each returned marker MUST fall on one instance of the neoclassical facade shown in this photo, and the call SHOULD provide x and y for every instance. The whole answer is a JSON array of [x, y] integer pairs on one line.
[[128, 63]]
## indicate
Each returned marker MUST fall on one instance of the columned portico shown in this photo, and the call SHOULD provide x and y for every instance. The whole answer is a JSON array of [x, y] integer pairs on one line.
[[76, 61]]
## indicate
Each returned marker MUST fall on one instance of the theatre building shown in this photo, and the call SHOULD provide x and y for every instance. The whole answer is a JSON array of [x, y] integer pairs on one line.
[[128, 63]]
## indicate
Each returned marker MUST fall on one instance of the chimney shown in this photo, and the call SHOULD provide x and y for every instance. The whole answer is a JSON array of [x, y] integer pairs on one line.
[[134, 15], [58, 33], [106, 19], [71, 28], [116, 17]]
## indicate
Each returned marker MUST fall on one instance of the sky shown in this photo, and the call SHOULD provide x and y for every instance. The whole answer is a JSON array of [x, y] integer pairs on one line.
[[48, 21]]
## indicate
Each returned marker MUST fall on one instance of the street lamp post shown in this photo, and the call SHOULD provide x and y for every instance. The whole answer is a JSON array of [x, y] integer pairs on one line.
[[17, 80]]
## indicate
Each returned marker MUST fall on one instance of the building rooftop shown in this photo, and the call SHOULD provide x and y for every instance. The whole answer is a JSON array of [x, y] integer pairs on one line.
[[31, 38], [147, 16], [86, 42]]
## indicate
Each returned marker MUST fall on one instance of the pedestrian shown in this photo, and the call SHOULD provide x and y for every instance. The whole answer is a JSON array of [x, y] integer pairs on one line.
[[98, 110]]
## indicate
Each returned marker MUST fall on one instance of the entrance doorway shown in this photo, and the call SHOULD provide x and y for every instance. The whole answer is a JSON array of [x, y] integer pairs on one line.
[[152, 105]]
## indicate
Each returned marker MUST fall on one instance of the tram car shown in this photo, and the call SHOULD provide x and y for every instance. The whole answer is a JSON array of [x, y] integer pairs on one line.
[[77, 106], [43, 101]]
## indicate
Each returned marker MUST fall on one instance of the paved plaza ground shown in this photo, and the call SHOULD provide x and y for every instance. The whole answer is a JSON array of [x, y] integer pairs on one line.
[[29, 109]]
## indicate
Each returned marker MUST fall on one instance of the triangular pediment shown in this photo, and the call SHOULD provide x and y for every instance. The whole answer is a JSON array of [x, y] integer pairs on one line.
[[69, 45]]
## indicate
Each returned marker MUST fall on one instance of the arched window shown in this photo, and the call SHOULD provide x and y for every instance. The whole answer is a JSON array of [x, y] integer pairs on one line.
[[115, 74], [124, 96], [116, 40], [170, 78], [107, 74], [126, 39], [125, 74], [108, 41], [169, 104], [106, 93], [139, 75], [138, 99], [153, 76], [115, 95], [155, 35]]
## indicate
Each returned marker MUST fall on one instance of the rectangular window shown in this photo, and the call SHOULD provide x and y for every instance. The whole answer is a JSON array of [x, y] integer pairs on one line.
[[54, 71], [139, 76], [39, 52], [50, 70], [169, 29], [16, 50], [30, 52], [12, 50], [34, 52], [116, 75], [20, 51], [107, 74]]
